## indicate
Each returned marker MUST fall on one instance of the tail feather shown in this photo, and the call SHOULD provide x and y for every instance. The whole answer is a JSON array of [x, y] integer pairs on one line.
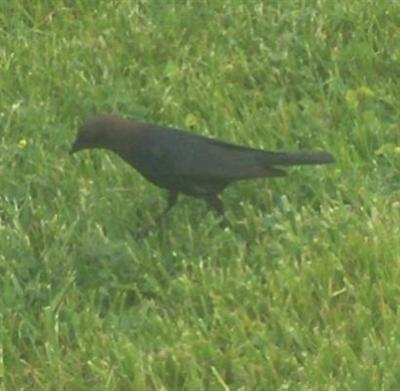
[[296, 158]]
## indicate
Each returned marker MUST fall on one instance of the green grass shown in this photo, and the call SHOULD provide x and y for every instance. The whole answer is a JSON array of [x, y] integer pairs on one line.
[[302, 293]]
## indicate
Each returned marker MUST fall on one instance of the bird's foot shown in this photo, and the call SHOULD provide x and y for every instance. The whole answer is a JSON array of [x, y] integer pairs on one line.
[[142, 233]]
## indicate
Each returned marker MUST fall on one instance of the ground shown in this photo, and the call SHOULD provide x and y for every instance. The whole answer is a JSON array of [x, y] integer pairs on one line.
[[300, 292]]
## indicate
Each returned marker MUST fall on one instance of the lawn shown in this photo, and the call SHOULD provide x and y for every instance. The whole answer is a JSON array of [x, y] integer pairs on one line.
[[300, 292]]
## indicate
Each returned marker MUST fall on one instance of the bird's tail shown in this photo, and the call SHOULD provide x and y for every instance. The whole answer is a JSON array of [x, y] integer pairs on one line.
[[297, 158]]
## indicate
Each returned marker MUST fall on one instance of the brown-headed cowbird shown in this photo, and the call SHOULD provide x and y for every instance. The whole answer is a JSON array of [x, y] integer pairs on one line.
[[182, 162]]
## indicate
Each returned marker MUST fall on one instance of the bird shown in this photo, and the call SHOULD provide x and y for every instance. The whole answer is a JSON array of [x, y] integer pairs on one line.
[[185, 163]]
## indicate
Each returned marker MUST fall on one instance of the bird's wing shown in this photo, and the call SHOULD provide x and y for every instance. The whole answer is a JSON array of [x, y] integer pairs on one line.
[[175, 153], [199, 157]]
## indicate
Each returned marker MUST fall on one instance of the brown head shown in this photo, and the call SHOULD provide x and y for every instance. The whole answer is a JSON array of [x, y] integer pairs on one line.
[[103, 131]]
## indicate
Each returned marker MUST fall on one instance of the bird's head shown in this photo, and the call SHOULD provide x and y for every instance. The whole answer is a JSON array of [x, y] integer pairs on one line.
[[95, 133]]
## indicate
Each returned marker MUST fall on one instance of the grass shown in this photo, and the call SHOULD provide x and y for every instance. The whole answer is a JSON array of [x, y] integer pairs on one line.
[[303, 293]]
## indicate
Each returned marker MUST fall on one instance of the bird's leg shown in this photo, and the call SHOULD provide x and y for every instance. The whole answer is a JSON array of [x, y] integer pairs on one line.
[[171, 201], [216, 204]]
